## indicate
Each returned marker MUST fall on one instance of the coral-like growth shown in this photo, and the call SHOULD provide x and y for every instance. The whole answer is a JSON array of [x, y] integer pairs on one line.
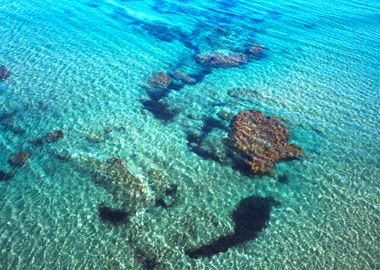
[[261, 141]]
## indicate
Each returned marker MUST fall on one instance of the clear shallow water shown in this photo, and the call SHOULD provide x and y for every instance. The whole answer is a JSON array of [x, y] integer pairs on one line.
[[80, 67]]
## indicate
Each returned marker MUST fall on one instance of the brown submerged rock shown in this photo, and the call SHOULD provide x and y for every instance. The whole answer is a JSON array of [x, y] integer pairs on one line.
[[4, 73], [160, 80], [19, 159], [257, 50], [262, 141], [221, 60], [54, 136]]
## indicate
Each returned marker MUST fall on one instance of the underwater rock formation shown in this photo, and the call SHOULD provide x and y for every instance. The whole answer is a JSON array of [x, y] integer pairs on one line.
[[19, 159], [261, 141], [251, 216], [221, 60], [129, 191], [5, 176], [114, 216], [4, 73], [54, 136]]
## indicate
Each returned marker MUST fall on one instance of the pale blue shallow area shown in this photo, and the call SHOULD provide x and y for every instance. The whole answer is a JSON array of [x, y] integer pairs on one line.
[[82, 66]]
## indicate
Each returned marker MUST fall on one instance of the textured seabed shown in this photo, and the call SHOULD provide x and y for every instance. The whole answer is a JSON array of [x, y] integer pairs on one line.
[[83, 66]]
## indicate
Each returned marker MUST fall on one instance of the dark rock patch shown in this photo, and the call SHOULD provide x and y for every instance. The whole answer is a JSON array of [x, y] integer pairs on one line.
[[160, 110], [250, 217], [19, 159], [5, 176], [54, 136], [283, 179], [4, 73], [114, 216]]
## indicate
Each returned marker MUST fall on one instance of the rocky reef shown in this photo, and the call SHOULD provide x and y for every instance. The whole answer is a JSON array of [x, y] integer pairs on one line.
[[261, 141], [4, 73], [250, 217]]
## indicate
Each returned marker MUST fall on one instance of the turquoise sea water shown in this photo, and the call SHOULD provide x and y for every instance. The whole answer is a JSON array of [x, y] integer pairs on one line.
[[83, 66]]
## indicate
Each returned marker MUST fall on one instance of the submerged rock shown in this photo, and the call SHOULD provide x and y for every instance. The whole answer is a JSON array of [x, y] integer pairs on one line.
[[114, 216], [4, 73], [54, 136], [283, 179], [129, 191], [19, 159], [4, 176], [261, 141], [160, 80], [256, 50], [251, 216], [221, 60], [185, 78]]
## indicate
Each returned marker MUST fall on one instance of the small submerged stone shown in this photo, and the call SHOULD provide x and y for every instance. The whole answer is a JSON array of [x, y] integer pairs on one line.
[[261, 141], [257, 50], [19, 159], [4, 73], [5, 176], [283, 179], [54, 136], [221, 60]]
